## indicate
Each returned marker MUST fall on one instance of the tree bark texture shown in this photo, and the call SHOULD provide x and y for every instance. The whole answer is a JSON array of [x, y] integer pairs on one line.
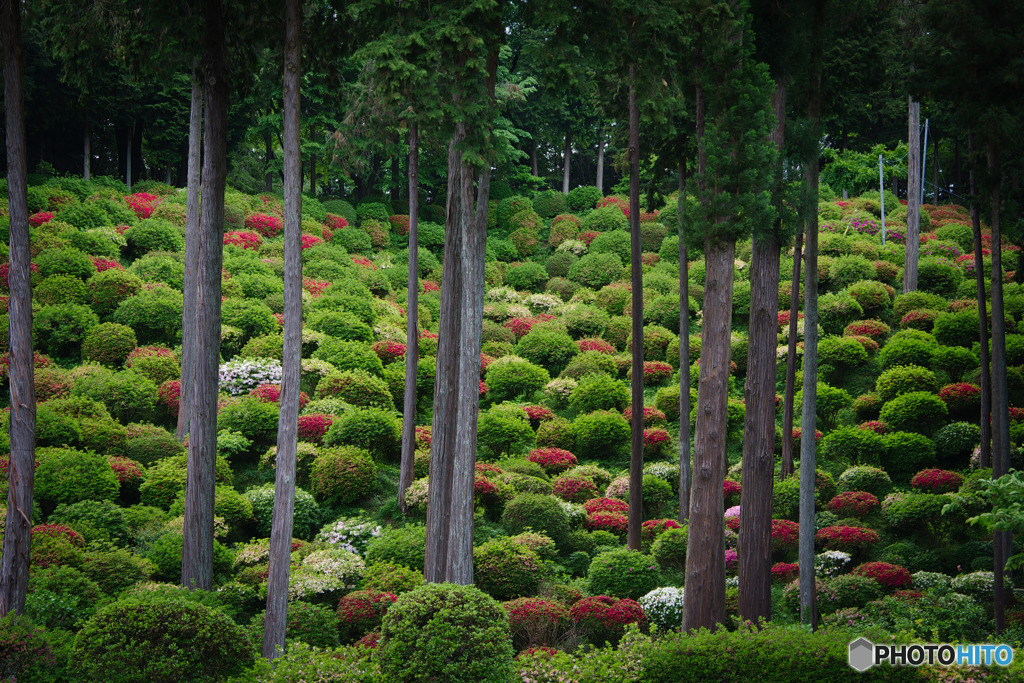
[[87, 151], [14, 563], [913, 196], [979, 277], [636, 444], [566, 160], [786, 467], [197, 557], [600, 162], [685, 455], [188, 311], [412, 352], [288, 418]]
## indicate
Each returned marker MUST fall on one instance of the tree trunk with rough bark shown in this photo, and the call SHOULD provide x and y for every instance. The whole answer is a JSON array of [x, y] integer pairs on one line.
[[979, 278], [87, 151], [600, 162], [636, 444], [566, 159], [188, 312], [412, 352], [197, 555], [288, 418], [913, 196], [14, 564], [685, 455], [786, 467]]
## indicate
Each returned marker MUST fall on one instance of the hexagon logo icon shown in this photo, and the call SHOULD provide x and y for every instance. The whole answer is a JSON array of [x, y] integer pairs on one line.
[[862, 654]]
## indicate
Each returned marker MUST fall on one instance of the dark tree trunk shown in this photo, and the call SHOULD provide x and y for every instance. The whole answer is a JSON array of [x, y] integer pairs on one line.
[[636, 445], [533, 157], [685, 469], [755, 542], [14, 563], [288, 419], [195, 135], [600, 162], [197, 557], [128, 156], [87, 151], [412, 352], [913, 197], [268, 145], [396, 182], [979, 276], [786, 468], [1000, 402], [935, 167], [566, 161]]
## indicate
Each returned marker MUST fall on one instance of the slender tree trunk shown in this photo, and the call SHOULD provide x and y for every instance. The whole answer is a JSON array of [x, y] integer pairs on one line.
[[533, 157], [685, 469], [412, 352], [86, 151], [192, 192], [168, 175], [600, 161], [1000, 403], [396, 183], [786, 468], [14, 563], [128, 157], [913, 197], [755, 542], [636, 445], [979, 276], [566, 159], [935, 167], [197, 557], [268, 145], [288, 419]]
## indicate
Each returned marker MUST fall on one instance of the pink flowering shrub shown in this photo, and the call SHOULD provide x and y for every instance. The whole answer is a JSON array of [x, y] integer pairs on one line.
[[891, 577], [536, 622], [554, 460], [937, 481], [520, 326], [335, 222], [143, 203], [265, 224], [362, 612], [312, 427], [430, 286], [731, 491], [875, 426], [961, 398], [785, 535], [103, 264], [5, 269], [389, 351], [652, 528], [652, 416], [605, 505], [307, 241], [655, 372], [785, 572], [656, 440], [604, 618], [613, 522], [271, 393], [400, 224], [363, 262], [169, 395], [315, 287], [574, 489], [40, 217], [854, 504], [782, 318], [128, 471], [849, 539], [535, 414]]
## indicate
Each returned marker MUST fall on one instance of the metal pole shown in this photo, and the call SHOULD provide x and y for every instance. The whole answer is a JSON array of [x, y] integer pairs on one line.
[[881, 193], [924, 160]]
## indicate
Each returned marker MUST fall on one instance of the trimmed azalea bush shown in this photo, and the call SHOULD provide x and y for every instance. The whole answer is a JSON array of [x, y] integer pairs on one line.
[[511, 377], [403, 546], [362, 611], [853, 504], [541, 513], [873, 480], [906, 453], [623, 573], [342, 475], [377, 431], [505, 569], [603, 618], [602, 434], [307, 515], [904, 379], [916, 411], [849, 539], [890, 577]]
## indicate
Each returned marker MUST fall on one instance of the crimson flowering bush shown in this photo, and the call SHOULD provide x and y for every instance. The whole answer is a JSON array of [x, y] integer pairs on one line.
[[614, 201], [169, 395], [785, 572], [306, 241], [731, 491], [265, 224], [536, 414], [58, 531], [613, 522], [961, 397], [486, 469], [937, 481], [891, 577], [874, 329], [5, 269], [312, 427], [919, 319], [361, 612], [604, 618], [875, 426], [652, 416], [588, 236], [655, 372], [655, 441], [785, 535], [423, 437], [389, 351], [271, 393], [400, 224], [553, 460], [143, 203], [40, 217], [520, 326], [869, 344], [854, 504], [335, 222], [574, 488], [315, 287], [128, 471], [595, 345], [605, 505], [797, 433], [848, 539], [363, 262], [652, 528], [103, 264], [783, 319], [536, 622], [430, 286]]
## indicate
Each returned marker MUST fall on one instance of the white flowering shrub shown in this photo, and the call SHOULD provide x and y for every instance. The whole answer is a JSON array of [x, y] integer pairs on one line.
[[253, 553], [619, 488], [416, 494], [346, 566], [979, 585], [664, 606], [830, 563], [543, 303], [932, 581], [576, 513], [306, 584], [349, 533], [505, 295], [557, 391], [663, 470], [578, 247], [241, 375]]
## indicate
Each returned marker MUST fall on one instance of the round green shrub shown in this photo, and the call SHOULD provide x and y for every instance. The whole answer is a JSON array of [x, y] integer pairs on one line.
[[599, 392], [558, 265], [585, 321], [109, 344], [153, 234], [906, 454], [504, 429], [403, 546], [913, 511], [61, 289], [907, 351], [346, 355], [252, 418], [939, 275], [542, 513], [550, 349], [958, 328], [305, 622], [956, 441], [613, 242], [505, 569], [623, 573], [915, 411], [229, 504], [905, 303], [154, 314], [166, 552], [60, 597], [157, 363], [873, 296], [596, 270], [306, 519], [836, 355], [512, 377], [357, 388], [26, 652], [529, 277], [852, 444], [584, 198], [836, 311], [96, 520], [161, 638], [67, 261], [391, 578], [605, 219], [60, 329], [127, 395], [602, 435], [446, 632], [904, 379], [850, 268], [377, 431], [110, 287], [148, 443], [66, 475], [590, 363], [669, 549], [342, 475]]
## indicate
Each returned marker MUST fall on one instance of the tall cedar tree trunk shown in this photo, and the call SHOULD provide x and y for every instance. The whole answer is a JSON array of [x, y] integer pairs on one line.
[[1000, 403], [685, 470], [288, 418], [705, 556], [808, 602], [566, 160], [935, 167], [449, 550], [86, 151], [600, 161], [755, 542], [188, 311], [533, 157], [412, 351], [21, 472], [636, 444], [979, 277], [197, 556], [913, 196], [786, 468]]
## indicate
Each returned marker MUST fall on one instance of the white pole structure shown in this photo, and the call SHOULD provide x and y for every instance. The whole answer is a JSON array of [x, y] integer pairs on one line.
[[881, 193]]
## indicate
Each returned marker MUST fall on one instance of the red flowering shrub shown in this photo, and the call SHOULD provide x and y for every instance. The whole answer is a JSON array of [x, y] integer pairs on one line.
[[649, 258], [782, 317], [169, 395], [574, 489], [307, 241], [595, 345], [361, 612], [605, 505], [656, 440], [536, 622], [430, 286], [891, 577], [486, 469], [650, 529], [937, 481], [604, 618], [873, 329], [655, 372], [312, 427], [363, 262], [423, 437], [731, 491], [335, 222], [40, 217], [874, 426], [5, 268], [55, 544], [483, 388], [271, 393], [400, 224], [785, 535], [265, 224], [486, 492], [961, 398], [588, 237], [853, 504], [652, 416], [797, 432], [103, 264], [520, 326], [371, 640], [536, 414], [553, 460], [389, 351], [315, 287], [614, 522], [143, 203], [849, 539], [785, 572], [1016, 414], [869, 344], [128, 471], [614, 201], [732, 523]]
